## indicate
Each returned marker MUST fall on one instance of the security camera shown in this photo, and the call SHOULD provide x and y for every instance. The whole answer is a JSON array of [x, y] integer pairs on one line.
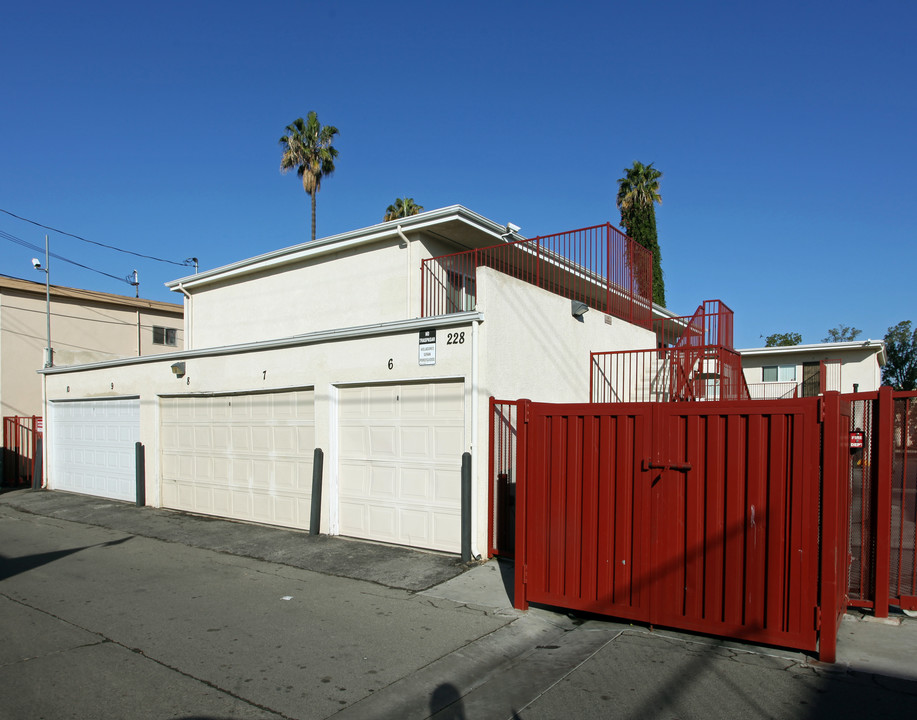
[[512, 227], [36, 263]]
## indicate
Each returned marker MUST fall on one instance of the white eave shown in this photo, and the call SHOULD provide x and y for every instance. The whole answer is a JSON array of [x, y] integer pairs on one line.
[[876, 346], [321, 336], [335, 243]]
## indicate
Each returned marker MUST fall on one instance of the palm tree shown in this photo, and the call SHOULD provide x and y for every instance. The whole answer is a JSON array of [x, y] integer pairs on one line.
[[402, 208], [307, 148], [638, 192]]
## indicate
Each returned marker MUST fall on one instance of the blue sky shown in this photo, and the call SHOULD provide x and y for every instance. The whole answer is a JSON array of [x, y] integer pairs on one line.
[[786, 132]]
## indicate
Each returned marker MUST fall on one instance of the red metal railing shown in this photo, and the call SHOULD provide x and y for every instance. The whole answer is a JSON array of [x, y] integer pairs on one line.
[[773, 390], [502, 494], [695, 361], [20, 448], [711, 325], [667, 375], [599, 266]]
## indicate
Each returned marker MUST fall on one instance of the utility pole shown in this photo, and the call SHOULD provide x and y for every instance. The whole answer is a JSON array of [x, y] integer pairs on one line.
[[49, 353]]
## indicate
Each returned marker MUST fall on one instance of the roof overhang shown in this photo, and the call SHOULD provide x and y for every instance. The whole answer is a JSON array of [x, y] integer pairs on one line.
[[455, 223], [867, 346]]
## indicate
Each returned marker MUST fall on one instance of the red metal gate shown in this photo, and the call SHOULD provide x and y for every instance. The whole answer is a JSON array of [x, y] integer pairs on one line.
[[21, 436], [883, 518], [700, 516]]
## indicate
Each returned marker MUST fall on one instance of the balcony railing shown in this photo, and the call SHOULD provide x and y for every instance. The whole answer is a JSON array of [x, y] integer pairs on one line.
[[599, 266], [773, 390]]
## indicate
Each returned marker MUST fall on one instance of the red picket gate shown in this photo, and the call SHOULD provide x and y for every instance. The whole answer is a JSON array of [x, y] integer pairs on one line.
[[727, 518]]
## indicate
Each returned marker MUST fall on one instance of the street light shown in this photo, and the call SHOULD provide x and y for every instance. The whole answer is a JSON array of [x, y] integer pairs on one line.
[[36, 263]]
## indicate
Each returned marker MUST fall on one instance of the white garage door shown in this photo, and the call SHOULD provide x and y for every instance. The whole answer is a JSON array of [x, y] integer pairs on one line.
[[245, 457], [400, 464], [93, 447]]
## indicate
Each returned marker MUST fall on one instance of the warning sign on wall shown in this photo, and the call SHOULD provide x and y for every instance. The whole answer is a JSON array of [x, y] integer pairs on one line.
[[427, 349]]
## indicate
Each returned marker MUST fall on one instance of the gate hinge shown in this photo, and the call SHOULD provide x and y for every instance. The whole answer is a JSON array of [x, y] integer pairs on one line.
[[525, 574], [821, 409], [817, 617]]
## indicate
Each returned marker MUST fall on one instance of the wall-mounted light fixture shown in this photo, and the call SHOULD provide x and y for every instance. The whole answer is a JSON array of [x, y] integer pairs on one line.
[[178, 369], [511, 229], [578, 309]]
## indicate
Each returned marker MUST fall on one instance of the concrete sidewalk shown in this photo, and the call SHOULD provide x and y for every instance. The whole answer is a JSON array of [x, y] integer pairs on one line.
[[249, 621]]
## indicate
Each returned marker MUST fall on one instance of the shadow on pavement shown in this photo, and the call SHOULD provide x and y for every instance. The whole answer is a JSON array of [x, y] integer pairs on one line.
[[15, 566]]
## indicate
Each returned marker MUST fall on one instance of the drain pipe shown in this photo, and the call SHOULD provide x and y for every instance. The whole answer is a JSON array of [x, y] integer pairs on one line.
[[189, 316], [475, 382], [410, 273]]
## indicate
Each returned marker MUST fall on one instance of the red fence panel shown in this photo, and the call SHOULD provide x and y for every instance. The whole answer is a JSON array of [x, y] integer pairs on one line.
[[20, 448], [700, 516], [883, 485]]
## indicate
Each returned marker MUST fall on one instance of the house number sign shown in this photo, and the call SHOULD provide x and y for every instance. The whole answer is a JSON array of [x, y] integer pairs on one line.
[[427, 347]]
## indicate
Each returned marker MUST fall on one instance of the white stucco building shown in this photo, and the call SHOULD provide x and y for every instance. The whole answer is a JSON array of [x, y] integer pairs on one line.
[[808, 370], [380, 346]]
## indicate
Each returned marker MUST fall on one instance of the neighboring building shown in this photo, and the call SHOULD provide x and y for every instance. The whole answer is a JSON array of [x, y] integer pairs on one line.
[[380, 346], [86, 327], [809, 370]]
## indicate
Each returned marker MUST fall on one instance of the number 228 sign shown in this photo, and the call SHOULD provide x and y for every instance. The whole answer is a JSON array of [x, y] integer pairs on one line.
[[426, 354]]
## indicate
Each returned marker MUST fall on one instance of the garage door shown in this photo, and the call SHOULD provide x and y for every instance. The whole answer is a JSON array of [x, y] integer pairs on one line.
[[93, 447], [245, 457], [400, 464]]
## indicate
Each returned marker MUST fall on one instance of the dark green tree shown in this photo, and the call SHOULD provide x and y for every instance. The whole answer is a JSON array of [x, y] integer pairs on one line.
[[842, 333], [900, 369], [638, 193], [307, 149], [782, 339], [402, 208]]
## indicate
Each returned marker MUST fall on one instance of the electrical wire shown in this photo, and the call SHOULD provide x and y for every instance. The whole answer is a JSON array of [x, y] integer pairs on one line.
[[185, 263], [36, 248]]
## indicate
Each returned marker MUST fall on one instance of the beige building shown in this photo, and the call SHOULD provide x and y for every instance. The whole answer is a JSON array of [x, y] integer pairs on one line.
[[809, 370], [379, 346], [86, 327]]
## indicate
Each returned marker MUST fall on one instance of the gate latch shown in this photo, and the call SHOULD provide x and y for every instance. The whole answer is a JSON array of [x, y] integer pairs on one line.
[[681, 467]]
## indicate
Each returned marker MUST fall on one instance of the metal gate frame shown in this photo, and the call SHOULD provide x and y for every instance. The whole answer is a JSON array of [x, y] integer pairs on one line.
[[883, 520], [728, 518]]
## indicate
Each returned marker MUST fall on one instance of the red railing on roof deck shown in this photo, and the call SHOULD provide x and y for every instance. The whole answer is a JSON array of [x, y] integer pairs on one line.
[[599, 266]]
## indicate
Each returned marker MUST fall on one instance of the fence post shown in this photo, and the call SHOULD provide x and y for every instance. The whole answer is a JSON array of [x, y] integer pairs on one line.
[[466, 507], [491, 481], [315, 518], [520, 601], [37, 465], [885, 427], [140, 464], [833, 556]]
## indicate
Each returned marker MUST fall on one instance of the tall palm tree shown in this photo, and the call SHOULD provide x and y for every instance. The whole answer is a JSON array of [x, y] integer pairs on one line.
[[638, 192], [307, 148], [402, 208]]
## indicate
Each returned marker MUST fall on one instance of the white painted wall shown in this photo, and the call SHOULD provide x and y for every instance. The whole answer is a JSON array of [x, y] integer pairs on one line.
[[533, 347], [355, 286]]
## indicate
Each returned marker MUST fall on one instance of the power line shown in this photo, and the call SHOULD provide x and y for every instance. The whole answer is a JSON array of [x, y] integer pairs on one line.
[[36, 248], [93, 242]]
